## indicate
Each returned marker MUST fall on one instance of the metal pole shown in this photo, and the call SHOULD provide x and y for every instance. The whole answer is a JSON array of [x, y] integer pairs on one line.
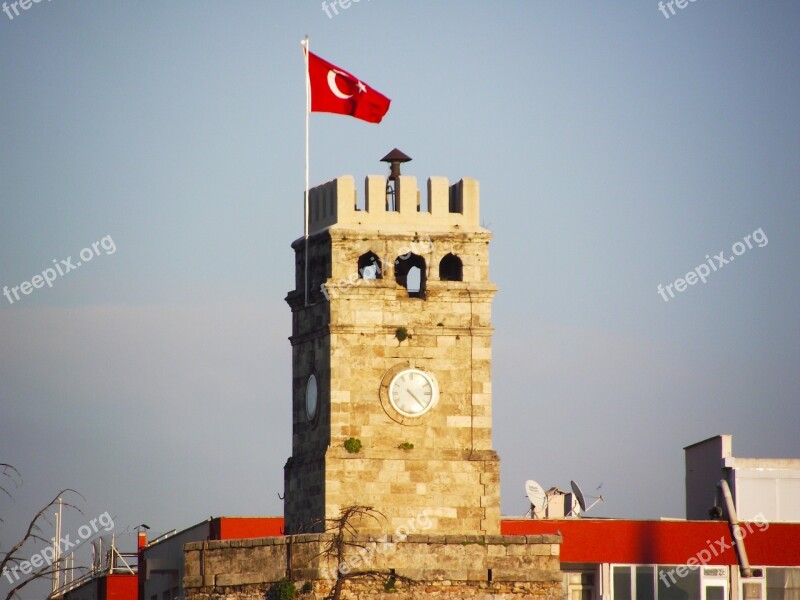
[[305, 211]]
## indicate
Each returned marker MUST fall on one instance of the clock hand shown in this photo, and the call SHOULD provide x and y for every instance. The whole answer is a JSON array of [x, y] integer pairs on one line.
[[410, 393]]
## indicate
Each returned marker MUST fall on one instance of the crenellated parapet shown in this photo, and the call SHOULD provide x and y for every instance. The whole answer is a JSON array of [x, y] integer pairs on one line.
[[335, 204]]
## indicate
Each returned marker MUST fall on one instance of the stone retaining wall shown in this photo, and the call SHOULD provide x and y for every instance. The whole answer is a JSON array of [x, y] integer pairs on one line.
[[480, 567]]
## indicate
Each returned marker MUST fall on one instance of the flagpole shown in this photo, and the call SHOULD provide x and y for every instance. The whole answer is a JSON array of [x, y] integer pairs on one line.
[[305, 217]]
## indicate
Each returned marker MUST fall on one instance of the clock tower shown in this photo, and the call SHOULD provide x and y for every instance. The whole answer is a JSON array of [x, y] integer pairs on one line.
[[391, 358]]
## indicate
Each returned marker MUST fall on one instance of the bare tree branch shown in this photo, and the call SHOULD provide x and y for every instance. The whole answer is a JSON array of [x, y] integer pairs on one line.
[[34, 525], [11, 557], [41, 574], [11, 472], [342, 528]]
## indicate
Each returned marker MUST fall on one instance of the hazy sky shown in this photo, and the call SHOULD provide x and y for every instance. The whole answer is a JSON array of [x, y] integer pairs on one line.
[[615, 147]]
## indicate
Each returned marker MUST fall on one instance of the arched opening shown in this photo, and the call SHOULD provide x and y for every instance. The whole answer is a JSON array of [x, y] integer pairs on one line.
[[451, 268], [410, 272], [369, 266]]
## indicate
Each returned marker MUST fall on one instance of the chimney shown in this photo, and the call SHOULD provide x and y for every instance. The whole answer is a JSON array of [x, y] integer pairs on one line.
[[395, 158]]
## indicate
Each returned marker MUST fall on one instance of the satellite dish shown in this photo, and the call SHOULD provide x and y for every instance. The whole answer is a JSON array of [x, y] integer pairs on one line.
[[576, 489], [536, 495]]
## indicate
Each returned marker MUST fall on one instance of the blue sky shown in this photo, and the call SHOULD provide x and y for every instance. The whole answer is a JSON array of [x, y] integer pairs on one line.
[[615, 148]]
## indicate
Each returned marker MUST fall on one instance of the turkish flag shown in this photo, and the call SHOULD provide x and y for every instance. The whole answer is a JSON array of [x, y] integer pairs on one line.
[[334, 90]]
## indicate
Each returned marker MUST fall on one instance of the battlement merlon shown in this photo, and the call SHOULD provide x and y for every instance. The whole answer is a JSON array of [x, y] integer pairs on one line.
[[335, 205]]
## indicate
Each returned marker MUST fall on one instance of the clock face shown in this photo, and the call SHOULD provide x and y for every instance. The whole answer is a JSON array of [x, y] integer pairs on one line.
[[413, 392], [311, 397]]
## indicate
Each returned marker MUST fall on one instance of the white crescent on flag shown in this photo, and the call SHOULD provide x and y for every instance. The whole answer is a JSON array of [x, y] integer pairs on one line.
[[334, 88]]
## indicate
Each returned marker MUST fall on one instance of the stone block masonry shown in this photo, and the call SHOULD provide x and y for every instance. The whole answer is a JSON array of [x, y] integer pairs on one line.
[[480, 567], [348, 340]]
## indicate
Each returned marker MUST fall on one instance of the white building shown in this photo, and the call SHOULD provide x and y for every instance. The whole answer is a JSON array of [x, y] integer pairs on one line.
[[765, 488]]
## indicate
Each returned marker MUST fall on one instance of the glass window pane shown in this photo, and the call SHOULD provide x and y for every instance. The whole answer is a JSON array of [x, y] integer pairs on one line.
[[752, 591], [622, 583], [783, 584], [678, 583], [715, 592], [645, 584], [775, 584]]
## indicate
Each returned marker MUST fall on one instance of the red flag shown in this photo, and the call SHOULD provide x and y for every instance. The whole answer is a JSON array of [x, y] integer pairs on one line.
[[334, 90]]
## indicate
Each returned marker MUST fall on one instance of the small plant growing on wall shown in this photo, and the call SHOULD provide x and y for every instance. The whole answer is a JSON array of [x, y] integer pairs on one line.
[[401, 334], [282, 590], [390, 585], [406, 446], [352, 445]]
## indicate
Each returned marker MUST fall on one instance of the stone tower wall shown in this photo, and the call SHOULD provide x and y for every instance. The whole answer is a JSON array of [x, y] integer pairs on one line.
[[348, 337]]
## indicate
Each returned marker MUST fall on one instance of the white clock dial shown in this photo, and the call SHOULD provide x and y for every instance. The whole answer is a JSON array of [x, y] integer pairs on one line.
[[311, 397], [413, 392]]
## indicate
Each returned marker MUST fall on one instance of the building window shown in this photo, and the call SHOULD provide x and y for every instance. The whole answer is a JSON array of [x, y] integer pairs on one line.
[[651, 582], [645, 590], [678, 583], [751, 590], [579, 585], [684, 582], [783, 583], [451, 268], [409, 271], [622, 583], [369, 266]]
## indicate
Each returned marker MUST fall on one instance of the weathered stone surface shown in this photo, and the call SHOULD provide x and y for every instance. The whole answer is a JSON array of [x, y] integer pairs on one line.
[[234, 579], [374, 590], [460, 564], [346, 336], [192, 582]]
